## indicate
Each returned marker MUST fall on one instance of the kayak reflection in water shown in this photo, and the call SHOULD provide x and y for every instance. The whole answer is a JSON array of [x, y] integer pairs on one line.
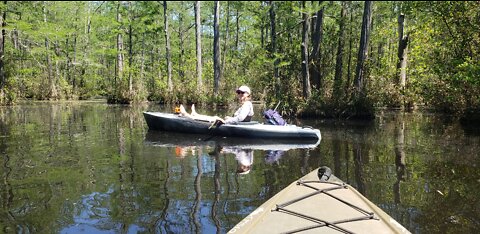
[[244, 159]]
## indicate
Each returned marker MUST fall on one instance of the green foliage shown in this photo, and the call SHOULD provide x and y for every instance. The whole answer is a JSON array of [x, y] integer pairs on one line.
[[444, 55], [8, 94], [442, 63]]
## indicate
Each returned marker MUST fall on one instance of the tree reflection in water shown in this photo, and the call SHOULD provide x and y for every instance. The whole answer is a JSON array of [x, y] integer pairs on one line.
[[73, 167]]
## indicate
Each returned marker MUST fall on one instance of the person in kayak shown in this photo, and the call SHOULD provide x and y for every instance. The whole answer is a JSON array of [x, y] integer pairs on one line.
[[243, 114]]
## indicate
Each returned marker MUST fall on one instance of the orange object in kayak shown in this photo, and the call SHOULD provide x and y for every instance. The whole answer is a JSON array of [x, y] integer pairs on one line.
[[177, 110]]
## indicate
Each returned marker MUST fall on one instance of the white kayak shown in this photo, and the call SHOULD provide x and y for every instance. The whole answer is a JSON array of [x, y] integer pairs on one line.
[[175, 123], [313, 206]]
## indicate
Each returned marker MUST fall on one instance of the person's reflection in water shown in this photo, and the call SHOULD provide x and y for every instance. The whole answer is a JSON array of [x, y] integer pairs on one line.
[[244, 159], [183, 151]]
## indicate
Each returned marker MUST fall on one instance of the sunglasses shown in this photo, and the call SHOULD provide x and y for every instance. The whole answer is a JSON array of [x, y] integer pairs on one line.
[[240, 92]]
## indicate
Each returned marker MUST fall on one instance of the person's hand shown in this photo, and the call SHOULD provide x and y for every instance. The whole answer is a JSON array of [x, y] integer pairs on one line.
[[218, 121], [221, 120]]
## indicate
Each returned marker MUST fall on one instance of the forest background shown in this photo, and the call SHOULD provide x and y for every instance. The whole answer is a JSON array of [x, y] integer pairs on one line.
[[340, 59]]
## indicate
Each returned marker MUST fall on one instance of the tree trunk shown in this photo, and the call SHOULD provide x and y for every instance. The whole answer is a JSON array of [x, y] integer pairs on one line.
[[86, 48], [337, 86], [402, 53], [313, 19], [350, 46], [316, 51], [216, 49], [68, 66], [198, 37], [159, 70], [142, 59], [181, 55], [3, 78], [15, 38], [120, 57], [130, 55], [74, 64], [273, 36], [150, 71], [381, 53], [306, 77], [225, 40], [262, 34], [51, 78], [237, 23], [167, 47], [363, 49]]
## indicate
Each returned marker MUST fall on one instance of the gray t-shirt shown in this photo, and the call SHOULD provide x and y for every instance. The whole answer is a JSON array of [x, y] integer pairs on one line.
[[245, 110]]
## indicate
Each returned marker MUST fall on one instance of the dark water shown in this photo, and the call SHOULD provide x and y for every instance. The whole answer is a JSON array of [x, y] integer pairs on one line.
[[95, 168]]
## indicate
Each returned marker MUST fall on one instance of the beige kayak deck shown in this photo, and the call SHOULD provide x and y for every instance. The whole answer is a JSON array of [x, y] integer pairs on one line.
[[311, 206]]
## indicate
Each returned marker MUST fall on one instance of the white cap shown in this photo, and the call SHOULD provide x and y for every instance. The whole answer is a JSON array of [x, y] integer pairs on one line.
[[244, 88]]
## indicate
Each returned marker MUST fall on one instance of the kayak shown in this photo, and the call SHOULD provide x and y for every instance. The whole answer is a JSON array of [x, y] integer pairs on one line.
[[174, 139], [321, 203], [176, 123]]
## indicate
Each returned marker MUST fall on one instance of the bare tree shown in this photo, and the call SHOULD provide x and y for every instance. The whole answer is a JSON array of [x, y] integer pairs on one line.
[[130, 47], [274, 43], [350, 46], [198, 37], [363, 49], [3, 78], [316, 54], [337, 86], [181, 39], [402, 53], [237, 24], [119, 67], [225, 40], [216, 49], [306, 77], [167, 47], [51, 78]]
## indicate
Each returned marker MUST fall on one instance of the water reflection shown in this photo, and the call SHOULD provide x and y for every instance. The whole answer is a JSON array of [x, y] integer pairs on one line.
[[244, 158], [78, 167], [7, 193], [241, 148], [228, 163], [172, 139], [400, 157]]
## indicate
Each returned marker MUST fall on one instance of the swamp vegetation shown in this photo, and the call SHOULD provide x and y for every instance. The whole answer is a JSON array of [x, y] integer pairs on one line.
[[316, 58]]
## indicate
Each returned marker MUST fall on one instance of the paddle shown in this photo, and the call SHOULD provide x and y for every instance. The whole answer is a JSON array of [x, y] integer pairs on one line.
[[277, 106], [214, 125]]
